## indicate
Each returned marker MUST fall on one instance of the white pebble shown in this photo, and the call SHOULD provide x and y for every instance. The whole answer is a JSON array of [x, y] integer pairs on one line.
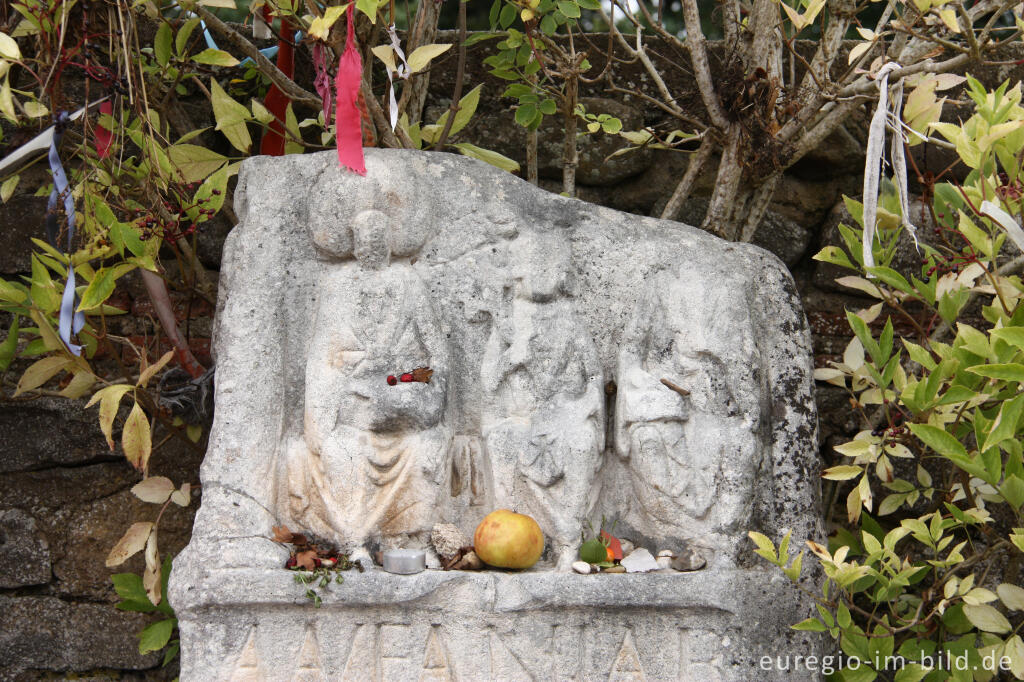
[[639, 561], [627, 547], [666, 552], [581, 567], [664, 562]]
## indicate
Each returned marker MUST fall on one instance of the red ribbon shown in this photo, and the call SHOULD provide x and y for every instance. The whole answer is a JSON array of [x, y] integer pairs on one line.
[[348, 127], [104, 136], [276, 102]]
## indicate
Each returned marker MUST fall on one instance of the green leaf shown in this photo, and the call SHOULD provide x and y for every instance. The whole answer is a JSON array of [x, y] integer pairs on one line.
[[493, 158], [1005, 424], [1011, 371], [810, 625], [194, 163], [860, 328], [129, 587], [525, 114], [99, 289], [892, 278], [231, 118], [172, 651], [162, 44], [507, 16], [1012, 490], [8, 349], [569, 9], [939, 440], [215, 58], [156, 635], [369, 8], [835, 256], [467, 107], [184, 33], [548, 25], [1011, 335]]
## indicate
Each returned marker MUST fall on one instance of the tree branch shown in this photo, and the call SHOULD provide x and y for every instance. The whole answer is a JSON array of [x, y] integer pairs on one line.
[[701, 69]]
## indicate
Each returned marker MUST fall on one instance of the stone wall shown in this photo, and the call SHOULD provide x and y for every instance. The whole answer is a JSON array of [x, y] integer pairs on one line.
[[64, 497]]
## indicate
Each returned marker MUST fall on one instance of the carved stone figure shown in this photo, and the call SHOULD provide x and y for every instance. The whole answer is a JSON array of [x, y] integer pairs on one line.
[[523, 303], [373, 458], [544, 426], [688, 416]]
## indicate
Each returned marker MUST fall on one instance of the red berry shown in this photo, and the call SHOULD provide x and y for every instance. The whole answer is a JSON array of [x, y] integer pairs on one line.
[[392, 380], [407, 378]]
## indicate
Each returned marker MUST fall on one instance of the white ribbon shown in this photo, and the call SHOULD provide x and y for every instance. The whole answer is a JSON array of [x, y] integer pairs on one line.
[[873, 162], [402, 71], [1005, 220]]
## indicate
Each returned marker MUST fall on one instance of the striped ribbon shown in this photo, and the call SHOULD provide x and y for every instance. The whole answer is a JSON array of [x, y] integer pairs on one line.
[[71, 322]]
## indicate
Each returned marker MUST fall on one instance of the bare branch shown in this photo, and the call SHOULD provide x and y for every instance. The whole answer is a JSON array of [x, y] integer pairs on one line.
[[277, 77], [693, 169], [701, 69]]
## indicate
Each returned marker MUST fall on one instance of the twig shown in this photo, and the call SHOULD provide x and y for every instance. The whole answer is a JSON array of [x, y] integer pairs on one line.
[[678, 389], [459, 74]]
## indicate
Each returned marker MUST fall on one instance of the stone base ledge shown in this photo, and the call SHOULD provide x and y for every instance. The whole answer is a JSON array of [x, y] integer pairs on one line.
[[257, 624]]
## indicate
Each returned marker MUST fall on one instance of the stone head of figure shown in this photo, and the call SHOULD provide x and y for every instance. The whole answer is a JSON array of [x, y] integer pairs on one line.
[[371, 240], [541, 266]]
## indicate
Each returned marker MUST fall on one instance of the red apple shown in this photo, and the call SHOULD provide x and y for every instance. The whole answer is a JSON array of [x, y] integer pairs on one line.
[[508, 540]]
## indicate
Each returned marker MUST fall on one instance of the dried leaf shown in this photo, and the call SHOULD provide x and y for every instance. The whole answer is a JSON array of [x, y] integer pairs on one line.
[[40, 372], [282, 534], [422, 374], [306, 559], [155, 489], [183, 496], [151, 578], [130, 543]]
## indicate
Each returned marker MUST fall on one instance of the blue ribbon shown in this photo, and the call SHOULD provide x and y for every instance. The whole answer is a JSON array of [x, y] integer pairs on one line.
[[71, 322], [268, 52]]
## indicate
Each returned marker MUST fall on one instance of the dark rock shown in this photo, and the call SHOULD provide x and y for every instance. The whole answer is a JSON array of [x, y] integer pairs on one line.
[[24, 551], [48, 634]]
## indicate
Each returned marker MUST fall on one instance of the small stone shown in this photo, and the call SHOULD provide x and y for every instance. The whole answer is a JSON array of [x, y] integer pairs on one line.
[[581, 567], [639, 561], [469, 562], [617, 568], [664, 562], [666, 553], [689, 560], [447, 540], [627, 547]]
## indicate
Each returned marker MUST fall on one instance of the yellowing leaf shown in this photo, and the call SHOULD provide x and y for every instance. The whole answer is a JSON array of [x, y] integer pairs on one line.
[[155, 489], [493, 158], [109, 399], [35, 109], [422, 55], [261, 113], [135, 438], [948, 17], [843, 472], [148, 373], [231, 118], [40, 372], [130, 543], [79, 385], [223, 4], [858, 50], [386, 54], [986, 618], [1012, 596], [7, 189], [9, 48], [215, 58], [194, 163], [7, 101], [320, 27]]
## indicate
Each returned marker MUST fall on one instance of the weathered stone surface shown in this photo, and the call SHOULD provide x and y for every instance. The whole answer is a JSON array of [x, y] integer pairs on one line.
[[24, 551], [525, 305], [48, 634], [32, 440]]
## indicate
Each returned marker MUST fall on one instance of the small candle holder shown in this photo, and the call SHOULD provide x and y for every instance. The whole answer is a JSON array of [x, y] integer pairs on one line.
[[405, 561]]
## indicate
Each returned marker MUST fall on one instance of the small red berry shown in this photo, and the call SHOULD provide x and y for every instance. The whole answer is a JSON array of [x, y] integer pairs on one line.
[[392, 380], [407, 378]]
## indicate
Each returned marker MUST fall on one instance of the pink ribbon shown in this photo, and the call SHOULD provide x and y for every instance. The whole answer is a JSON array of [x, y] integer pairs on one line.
[[322, 82], [348, 129]]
